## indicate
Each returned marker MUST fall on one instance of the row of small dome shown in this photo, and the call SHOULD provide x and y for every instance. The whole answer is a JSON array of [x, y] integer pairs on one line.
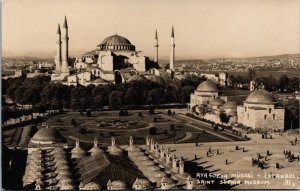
[[56, 162]]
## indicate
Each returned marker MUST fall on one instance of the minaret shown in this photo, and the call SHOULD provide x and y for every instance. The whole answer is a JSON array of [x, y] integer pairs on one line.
[[172, 50], [65, 48], [58, 51], [156, 47]]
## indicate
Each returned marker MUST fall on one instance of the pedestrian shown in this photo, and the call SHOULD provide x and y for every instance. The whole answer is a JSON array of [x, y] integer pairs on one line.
[[236, 147], [268, 152], [266, 159], [195, 157], [226, 161], [209, 150], [207, 153], [218, 152], [298, 158], [277, 165]]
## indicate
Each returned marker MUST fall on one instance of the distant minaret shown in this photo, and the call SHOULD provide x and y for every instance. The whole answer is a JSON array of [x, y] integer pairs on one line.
[[65, 48], [172, 51], [156, 47], [58, 51]]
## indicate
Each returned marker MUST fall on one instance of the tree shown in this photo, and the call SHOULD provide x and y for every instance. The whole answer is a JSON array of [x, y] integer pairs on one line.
[[216, 128], [115, 99], [224, 118], [156, 96], [251, 74], [283, 83], [74, 104]]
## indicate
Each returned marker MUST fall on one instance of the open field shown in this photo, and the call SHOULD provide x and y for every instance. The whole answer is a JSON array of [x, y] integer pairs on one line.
[[239, 169], [103, 125]]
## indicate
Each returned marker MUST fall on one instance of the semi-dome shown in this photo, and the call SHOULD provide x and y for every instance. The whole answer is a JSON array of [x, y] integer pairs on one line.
[[260, 96], [230, 105], [207, 86], [216, 102], [136, 77], [47, 135], [116, 42]]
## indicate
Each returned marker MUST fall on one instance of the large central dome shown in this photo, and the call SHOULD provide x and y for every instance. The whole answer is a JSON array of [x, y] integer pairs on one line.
[[116, 42]]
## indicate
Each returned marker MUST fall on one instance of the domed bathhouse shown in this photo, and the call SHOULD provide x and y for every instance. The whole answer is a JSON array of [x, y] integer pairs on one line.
[[260, 110], [206, 102], [47, 137], [205, 92]]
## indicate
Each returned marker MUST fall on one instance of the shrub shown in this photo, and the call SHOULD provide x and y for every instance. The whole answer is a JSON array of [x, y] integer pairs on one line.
[[152, 131], [88, 113], [112, 134], [82, 131], [172, 128], [151, 110], [73, 123], [166, 132]]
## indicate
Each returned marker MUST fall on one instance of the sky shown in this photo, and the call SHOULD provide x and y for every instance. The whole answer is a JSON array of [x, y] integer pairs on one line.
[[203, 28]]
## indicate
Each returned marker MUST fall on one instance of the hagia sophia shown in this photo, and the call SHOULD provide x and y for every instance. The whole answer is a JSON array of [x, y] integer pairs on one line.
[[53, 164], [114, 60], [259, 110]]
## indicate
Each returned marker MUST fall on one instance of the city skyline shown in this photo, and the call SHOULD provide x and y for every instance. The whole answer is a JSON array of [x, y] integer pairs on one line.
[[235, 29]]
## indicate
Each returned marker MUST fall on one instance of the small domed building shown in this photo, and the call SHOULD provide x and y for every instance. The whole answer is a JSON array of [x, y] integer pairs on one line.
[[96, 151], [77, 151], [116, 185], [141, 184], [91, 186], [205, 92], [260, 110]]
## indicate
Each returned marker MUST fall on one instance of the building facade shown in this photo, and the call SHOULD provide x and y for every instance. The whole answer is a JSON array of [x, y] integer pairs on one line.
[[260, 110]]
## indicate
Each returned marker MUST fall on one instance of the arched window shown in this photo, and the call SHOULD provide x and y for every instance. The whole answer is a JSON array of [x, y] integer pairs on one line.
[[274, 116], [265, 117], [270, 110]]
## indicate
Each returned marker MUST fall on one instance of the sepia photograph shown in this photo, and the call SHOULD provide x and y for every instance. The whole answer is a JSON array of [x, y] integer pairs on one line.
[[150, 95]]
